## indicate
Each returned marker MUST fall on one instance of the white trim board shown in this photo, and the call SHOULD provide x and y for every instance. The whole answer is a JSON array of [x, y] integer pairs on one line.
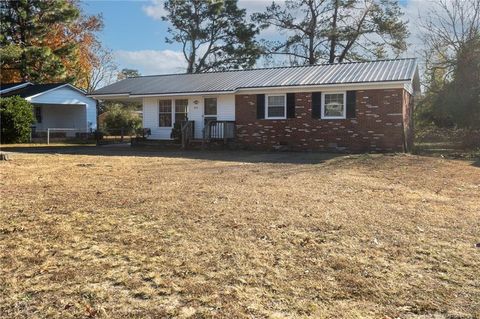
[[28, 98]]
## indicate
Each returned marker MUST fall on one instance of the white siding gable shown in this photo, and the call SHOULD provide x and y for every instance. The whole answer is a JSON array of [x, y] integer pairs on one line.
[[69, 95]]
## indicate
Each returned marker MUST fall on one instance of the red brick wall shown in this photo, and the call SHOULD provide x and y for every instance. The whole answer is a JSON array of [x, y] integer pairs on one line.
[[378, 125]]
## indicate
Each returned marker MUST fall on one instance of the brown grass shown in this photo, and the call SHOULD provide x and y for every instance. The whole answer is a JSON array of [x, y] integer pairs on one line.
[[239, 235]]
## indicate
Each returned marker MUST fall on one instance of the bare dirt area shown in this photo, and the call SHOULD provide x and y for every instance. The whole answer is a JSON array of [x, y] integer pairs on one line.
[[98, 233]]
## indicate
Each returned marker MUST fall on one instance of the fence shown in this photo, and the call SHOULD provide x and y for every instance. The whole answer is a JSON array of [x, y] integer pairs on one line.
[[60, 134]]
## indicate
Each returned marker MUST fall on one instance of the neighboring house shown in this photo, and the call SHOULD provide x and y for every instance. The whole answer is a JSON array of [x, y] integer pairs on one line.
[[56, 105], [364, 106]]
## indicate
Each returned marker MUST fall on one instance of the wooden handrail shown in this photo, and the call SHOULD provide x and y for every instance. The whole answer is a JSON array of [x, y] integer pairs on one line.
[[219, 130]]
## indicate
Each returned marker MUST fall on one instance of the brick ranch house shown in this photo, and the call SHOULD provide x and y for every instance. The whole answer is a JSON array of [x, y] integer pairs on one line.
[[353, 107]]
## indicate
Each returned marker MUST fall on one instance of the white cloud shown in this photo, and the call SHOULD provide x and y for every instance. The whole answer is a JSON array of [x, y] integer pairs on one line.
[[150, 62], [155, 9]]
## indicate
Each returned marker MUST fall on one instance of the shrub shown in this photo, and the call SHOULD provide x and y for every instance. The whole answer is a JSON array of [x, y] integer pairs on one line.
[[16, 118], [118, 118]]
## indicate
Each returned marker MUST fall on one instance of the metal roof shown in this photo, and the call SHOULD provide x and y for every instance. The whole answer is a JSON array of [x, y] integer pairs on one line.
[[231, 81], [6, 86], [31, 89]]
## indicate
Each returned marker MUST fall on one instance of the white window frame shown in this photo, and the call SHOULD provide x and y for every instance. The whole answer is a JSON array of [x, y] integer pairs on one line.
[[175, 109], [344, 93], [172, 112], [284, 107]]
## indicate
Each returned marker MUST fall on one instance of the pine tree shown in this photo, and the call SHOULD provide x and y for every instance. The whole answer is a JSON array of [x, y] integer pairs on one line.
[[214, 34], [25, 27]]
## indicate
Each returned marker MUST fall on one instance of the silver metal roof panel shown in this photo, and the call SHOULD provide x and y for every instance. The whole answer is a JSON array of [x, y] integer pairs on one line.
[[230, 81]]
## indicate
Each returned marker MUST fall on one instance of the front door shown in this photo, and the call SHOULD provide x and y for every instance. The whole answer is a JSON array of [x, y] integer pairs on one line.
[[209, 112], [210, 109]]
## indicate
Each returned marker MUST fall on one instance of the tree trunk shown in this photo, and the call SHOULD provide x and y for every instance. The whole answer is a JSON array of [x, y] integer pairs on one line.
[[191, 58], [333, 36], [313, 25]]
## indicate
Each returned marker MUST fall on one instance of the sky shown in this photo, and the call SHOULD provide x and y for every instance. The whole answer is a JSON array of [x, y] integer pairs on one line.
[[136, 35]]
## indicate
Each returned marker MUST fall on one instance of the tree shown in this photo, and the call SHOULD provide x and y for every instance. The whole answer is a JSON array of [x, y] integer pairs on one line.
[[334, 30], [49, 41], [451, 33], [102, 68], [88, 50], [16, 117], [25, 26], [127, 73], [459, 99], [446, 28], [214, 34]]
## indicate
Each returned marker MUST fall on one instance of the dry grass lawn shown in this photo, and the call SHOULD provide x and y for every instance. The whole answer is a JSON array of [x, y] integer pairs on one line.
[[238, 235]]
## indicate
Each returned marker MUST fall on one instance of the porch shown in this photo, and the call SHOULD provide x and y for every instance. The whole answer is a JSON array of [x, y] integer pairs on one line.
[[67, 120], [213, 131]]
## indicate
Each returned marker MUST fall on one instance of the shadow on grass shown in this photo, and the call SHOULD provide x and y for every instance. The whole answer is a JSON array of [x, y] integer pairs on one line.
[[213, 155]]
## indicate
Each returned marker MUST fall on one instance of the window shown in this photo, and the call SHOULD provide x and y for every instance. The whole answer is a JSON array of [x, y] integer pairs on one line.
[[210, 106], [334, 105], [165, 113], [38, 114], [181, 110], [276, 107]]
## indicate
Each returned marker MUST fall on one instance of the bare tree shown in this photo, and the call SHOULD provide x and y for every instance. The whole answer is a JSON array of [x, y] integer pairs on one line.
[[104, 69], [334, 30], [446, 29]]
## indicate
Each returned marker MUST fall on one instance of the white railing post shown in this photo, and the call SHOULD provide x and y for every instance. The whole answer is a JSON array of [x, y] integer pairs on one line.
[[48, 136]]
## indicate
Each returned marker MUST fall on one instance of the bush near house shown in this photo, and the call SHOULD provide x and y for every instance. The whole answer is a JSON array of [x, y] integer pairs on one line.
[[16, 118], [119, 119]]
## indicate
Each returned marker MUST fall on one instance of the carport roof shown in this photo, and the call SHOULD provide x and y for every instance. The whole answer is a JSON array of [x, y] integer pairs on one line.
[[231, 81], [28, 90]]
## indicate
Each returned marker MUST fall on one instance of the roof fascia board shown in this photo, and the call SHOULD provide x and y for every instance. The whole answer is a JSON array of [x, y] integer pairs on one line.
[[58, 104], [329, 87], [108, 96], [16, 87], [185, 94], [28, 98], [134, 96]]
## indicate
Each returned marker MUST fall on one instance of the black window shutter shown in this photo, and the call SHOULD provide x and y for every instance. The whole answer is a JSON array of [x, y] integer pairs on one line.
[[290, 105], [316, 104], [351, 101], [260, 106]]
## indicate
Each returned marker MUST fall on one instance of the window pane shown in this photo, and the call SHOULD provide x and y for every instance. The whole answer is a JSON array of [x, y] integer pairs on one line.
[[210, 106], [276, 111], [38, 114], [276, 106], [181, 106], [276, 100], [179, 117], [165, 106], [165, 113], [334, 105], [165, 120]]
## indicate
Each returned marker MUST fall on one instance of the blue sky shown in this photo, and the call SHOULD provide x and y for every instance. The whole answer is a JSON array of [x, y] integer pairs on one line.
[[135, 33]]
